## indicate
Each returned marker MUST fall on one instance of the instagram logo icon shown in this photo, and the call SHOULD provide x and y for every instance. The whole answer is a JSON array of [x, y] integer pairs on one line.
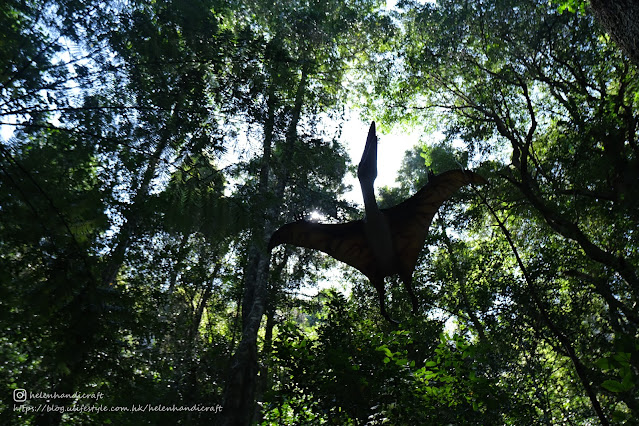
[[19, 395]]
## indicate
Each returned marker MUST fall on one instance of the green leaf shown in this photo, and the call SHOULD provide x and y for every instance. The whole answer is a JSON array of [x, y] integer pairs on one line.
[[622, 357], [603, 363], [615, 386]]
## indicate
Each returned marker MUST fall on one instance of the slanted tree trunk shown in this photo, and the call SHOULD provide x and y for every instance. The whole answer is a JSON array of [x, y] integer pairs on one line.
[[132, 219], [541, 315]]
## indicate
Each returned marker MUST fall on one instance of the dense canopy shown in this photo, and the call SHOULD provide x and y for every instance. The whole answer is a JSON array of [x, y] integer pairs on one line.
[[149, 150]]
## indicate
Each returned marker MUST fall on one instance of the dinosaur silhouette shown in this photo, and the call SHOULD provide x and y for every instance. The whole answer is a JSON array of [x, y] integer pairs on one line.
[[386, 241]]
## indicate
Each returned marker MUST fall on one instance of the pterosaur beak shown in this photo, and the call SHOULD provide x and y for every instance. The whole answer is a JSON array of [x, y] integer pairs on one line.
[[367, 168]]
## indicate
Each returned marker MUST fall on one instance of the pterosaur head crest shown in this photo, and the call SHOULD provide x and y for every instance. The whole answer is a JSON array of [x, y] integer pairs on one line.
[[367, 169]]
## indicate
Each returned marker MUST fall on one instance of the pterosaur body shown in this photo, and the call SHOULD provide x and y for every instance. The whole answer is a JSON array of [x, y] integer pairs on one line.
[[387, 241]]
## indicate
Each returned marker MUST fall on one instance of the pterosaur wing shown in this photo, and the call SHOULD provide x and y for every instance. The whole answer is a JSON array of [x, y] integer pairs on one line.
[[345, 242], [411, 219]]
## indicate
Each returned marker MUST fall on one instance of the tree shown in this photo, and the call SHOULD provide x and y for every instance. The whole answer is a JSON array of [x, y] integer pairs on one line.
[[96, 133], [558, 113], [133, 255], [618, 18], [303, 64]]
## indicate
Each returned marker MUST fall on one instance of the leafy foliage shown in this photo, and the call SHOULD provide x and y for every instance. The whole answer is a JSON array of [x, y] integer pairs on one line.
[[149, 149]]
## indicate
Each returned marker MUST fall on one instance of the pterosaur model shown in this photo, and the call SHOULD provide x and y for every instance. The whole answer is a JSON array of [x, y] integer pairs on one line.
[[386, 241]]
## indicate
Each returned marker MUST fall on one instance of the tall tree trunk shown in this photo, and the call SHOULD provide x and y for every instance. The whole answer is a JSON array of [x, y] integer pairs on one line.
[[621, 19], [190, 381], [239, 399], [264, 369], [241, 382]]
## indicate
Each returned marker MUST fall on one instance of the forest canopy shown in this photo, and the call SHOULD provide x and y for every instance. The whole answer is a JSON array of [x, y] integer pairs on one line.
[[149, 150]]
